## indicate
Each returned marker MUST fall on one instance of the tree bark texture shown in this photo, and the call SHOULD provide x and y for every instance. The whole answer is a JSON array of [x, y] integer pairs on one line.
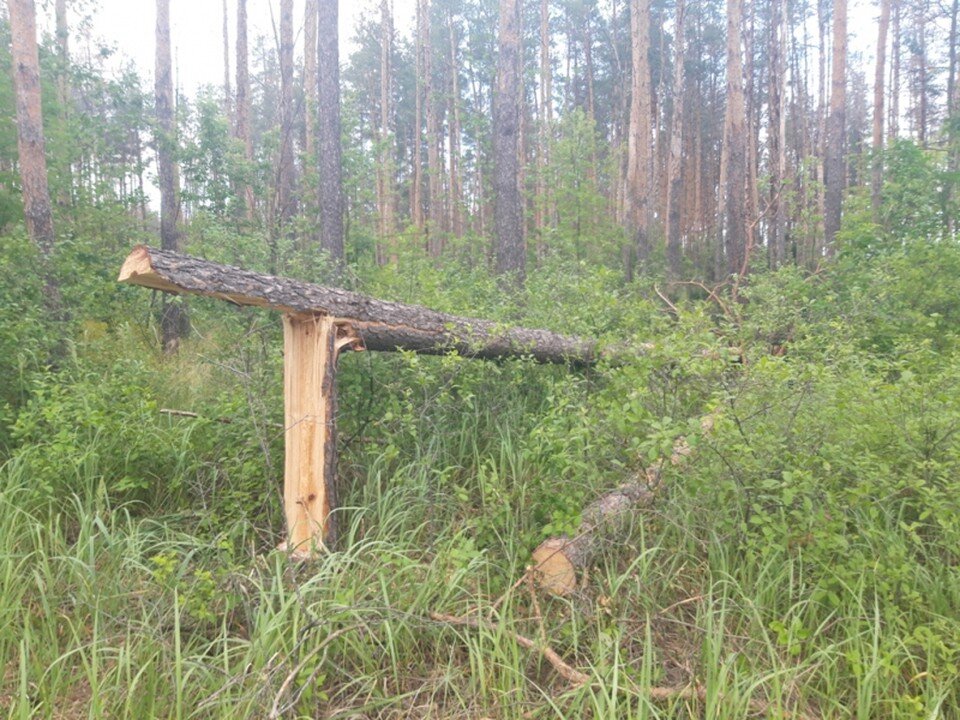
[[510, 250], [174, 316], [674, 174], [310, 79], [227, 91], [286, 198], [328, 98], [242, 131], [735, 144], [639, 155], [833, 164], [379, 324], [30, 141], [878, 101], [560, 561], [385, 171]]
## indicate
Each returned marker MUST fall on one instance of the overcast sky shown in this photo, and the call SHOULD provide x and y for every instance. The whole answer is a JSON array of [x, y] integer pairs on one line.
[[198, 43], [196, 30]]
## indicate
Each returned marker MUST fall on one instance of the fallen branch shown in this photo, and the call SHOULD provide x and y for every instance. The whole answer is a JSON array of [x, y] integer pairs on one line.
[[559, 561], [550, 655]]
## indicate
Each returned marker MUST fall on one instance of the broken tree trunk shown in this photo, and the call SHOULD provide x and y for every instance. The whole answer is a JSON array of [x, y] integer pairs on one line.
[[377, 324], [318, 323], [559, 562]]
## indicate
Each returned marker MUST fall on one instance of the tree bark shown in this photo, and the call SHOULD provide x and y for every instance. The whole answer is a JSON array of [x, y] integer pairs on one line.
[[893, 130], [876, 181], [456, 183], [379, 324], [778, 133], [435, 210], [30, 140], [286, 180], [833, 166], [173, 321], [328, 94], [734, 140], [310, 81], [227, 91], [674, 174], [560, 561], [243, 104], [385, 196], [416, 192], [639, 156], [510, 250]]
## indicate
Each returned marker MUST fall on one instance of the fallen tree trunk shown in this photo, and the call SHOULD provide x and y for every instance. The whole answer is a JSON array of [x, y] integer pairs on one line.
[[378, 324], [559, 562]]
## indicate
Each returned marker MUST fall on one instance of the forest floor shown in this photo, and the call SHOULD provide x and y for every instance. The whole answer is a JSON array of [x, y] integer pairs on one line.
[[802, 564]]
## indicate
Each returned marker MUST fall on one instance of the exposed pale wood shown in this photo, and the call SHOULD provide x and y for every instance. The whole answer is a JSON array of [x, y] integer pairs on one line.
[[559, 562], [309, 397], [378, 324]]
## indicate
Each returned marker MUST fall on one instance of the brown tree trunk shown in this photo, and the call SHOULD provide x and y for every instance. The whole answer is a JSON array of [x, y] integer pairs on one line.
[[834, 165], [544, 187], [456, 183], [328, 99], [30, 142], [639, 156], [734, 163], [416, 192], [374, 324], [174, 315], [510, 250], [674, 174], [385, 197], [435, 210], [894, 126], [243, 103], [878, 98], [286, 199], [310, 81], [778, 132], [227, 91]]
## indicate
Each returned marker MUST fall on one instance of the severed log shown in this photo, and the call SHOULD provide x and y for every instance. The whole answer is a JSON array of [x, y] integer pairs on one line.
[[559, 562], [378, 324]]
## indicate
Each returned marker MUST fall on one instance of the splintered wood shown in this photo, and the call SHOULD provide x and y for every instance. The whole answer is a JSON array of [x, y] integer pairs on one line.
[[309, 391]]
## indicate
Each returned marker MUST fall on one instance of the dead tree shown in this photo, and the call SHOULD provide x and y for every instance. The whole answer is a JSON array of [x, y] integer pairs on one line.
[[319, 323]]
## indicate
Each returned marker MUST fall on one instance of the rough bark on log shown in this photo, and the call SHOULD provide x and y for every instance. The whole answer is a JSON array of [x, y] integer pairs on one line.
[[379, 324], [559, 562]]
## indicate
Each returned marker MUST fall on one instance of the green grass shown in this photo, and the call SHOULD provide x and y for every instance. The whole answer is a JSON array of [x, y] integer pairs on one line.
[[106, 611]]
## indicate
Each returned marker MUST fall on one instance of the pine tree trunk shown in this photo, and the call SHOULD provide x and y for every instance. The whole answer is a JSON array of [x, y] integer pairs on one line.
[[456, 183], [385, 197], [674, 174], [310, 82], [510, 251], [435, 210], [544, 188], [639, 157], [243, 103], [834, 165], [416, 192], [777, 132], [174, 315], [895, 42], [734, 163], [286, 198], [878, 98], [227, 91], [30, 141], [328, 100]]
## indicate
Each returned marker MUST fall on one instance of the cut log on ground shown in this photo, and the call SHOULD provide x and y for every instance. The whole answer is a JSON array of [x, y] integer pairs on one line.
[[559, 562], [379, 324]]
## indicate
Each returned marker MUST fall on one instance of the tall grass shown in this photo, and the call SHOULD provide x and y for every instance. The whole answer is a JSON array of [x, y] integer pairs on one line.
[[108, 612]]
